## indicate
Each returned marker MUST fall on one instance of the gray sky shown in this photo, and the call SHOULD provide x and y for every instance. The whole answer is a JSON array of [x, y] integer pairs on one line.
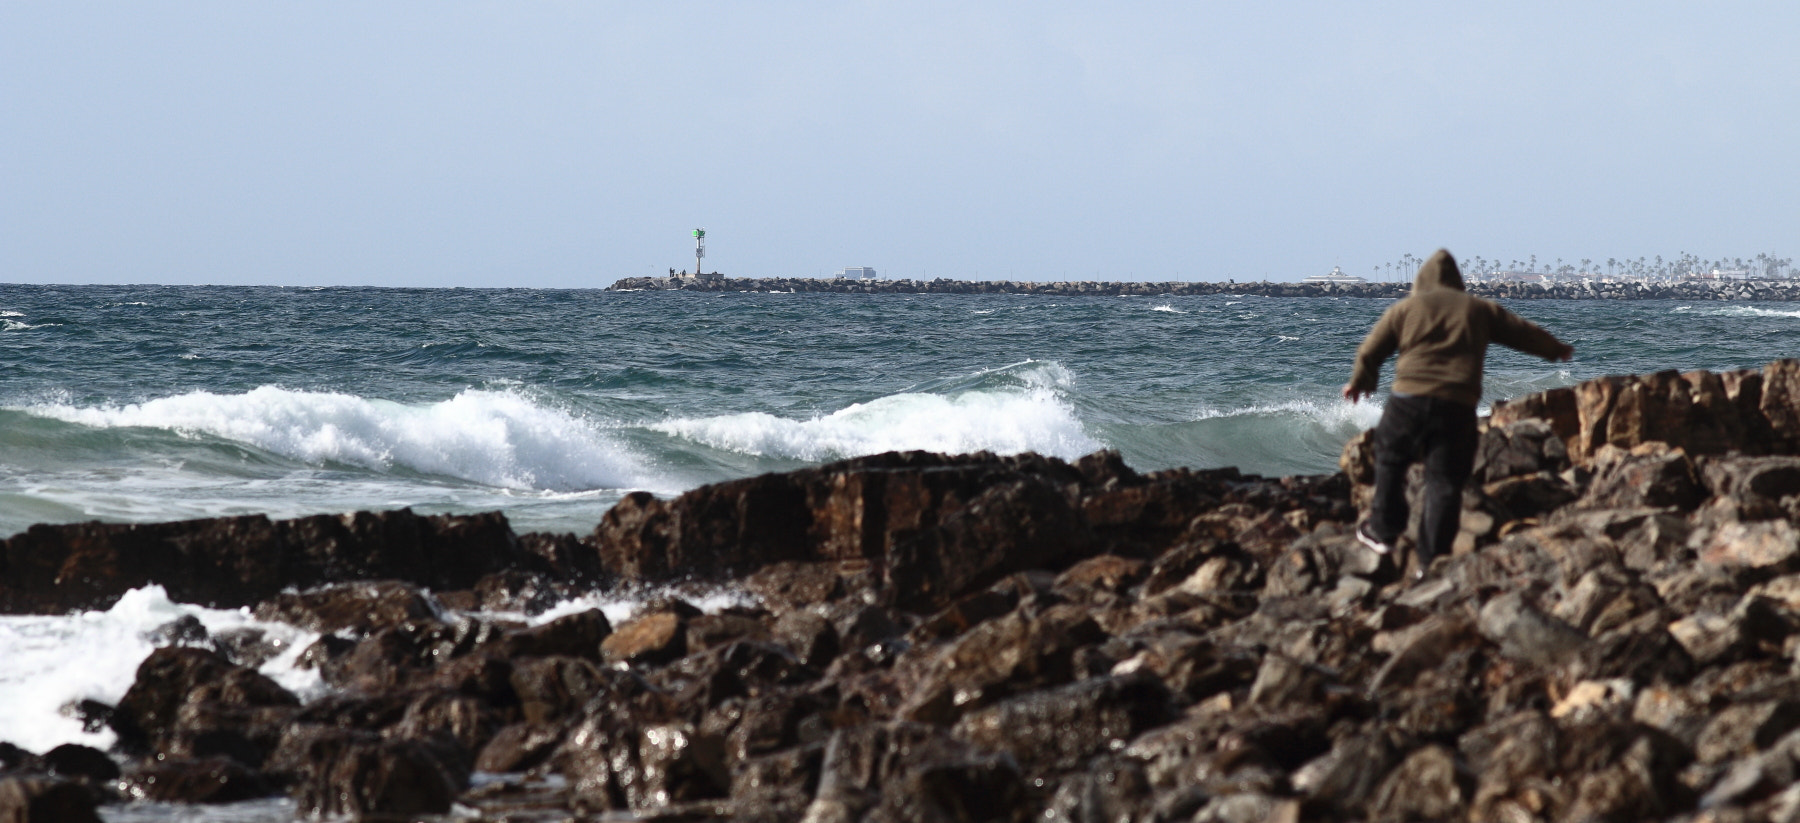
[[569, 144]]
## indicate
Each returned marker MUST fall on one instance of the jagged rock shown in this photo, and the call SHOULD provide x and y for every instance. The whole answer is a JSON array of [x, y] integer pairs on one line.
[[467, 720], [1428, 785], [1107, 573], [771, 720], [679, 764], [1192, 667], [742, 669], [1743, 729], [519, 746], [1317, 562], [347, 775], [172, 678], [1006, 528], [76, 760], [556, 687], [1649, 476], [1019, 651], [1524, 496], [777, 786], [1525, 447], [517, 590], [1766, 544], [647, 639], [1110, 789], [1524, 632], [362, 607], [239, 561], [971, 610], [1347, 777], [912, 772], [810, 636], [708, 630], [43, 800], [785, 586], [209, 780], [1058, 728], [572, 635]]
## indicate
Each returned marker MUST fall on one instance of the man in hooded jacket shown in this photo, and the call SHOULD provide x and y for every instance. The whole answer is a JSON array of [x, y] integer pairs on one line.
[[1442, 334]]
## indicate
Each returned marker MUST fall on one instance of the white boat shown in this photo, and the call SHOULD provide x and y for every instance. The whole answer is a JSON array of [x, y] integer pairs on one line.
[[1337, 275]]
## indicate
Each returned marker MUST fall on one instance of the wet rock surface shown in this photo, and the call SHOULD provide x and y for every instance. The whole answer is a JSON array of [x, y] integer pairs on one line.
[[1009, 638]]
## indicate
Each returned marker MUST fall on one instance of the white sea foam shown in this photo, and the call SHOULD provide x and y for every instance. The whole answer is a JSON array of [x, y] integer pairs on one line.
[[1331, 413], [1028, 414], [496, 438], [621, 605], [1742, 311], [11, 313], [15, 325], [52, 661], [1167, 308]]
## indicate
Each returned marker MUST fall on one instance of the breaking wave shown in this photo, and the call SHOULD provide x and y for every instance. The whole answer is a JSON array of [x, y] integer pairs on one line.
[[1015, 409], [495, 438]]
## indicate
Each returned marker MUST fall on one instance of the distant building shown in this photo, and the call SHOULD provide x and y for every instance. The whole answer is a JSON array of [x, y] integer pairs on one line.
[[857, 273], [1337, 275]]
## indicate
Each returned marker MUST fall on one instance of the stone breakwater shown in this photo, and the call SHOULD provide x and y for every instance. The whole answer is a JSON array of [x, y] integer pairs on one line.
[[1698, 290], [982, 638]]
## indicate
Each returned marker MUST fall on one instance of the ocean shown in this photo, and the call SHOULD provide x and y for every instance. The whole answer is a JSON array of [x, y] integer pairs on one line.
[[152, 403]]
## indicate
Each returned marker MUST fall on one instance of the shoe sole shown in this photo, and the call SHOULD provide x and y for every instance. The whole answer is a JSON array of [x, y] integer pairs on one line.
[[1374, 545]]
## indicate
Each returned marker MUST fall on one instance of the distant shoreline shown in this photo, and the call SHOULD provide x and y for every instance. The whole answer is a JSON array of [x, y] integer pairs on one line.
[[1700, 290]]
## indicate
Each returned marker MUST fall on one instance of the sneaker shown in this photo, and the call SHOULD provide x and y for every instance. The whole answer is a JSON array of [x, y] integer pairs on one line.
[[1376, 546]]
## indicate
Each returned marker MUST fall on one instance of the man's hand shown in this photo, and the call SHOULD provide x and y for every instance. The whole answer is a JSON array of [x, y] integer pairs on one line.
[[1564, 356], [1352, 393]]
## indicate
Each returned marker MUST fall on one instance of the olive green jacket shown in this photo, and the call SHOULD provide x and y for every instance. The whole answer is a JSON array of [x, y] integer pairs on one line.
[[1442, 334]]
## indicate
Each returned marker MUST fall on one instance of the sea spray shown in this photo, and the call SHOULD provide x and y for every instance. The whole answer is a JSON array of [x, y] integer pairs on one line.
[[1006, 411], [48, 662], [497, 438]]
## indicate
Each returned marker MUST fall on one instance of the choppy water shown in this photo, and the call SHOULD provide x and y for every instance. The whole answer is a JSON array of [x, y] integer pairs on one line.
[[154, 403]]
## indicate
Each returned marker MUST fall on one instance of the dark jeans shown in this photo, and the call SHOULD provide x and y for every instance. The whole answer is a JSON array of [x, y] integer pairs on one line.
[[1441, 433]]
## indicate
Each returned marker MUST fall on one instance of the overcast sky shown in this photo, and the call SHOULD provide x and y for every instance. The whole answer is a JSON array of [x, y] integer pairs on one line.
[[570, 144]]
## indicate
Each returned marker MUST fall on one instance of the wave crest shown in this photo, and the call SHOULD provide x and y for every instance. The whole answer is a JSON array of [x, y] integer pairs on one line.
[[1010, 410], [496, 438]]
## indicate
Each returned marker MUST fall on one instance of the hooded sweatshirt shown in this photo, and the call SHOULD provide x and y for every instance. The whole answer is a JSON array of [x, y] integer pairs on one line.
[[1442, 334]]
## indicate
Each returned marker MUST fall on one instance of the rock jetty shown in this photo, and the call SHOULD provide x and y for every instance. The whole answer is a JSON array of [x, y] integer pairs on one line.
[[983, 638], [1689, 290]]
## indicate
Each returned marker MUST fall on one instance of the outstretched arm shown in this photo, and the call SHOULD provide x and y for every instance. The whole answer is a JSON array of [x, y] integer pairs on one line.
[[1515, 332], [1375, 349]]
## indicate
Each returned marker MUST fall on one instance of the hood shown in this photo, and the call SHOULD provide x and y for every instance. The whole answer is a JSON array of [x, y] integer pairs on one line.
[[1440, 272]]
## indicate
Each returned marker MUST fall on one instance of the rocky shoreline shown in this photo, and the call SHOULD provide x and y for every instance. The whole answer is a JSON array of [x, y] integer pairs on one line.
[[1694, 290], [982, 638]]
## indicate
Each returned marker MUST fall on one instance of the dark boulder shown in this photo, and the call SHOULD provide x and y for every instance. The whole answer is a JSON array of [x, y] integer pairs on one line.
[[172, 678], [913, 772], [1011, 527], [359, 776], [1059, 728], [44, 800], [572, 635], [210, 780], [240, 561], [78, 761], [520, 746], [648, 639], [362, 607]]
